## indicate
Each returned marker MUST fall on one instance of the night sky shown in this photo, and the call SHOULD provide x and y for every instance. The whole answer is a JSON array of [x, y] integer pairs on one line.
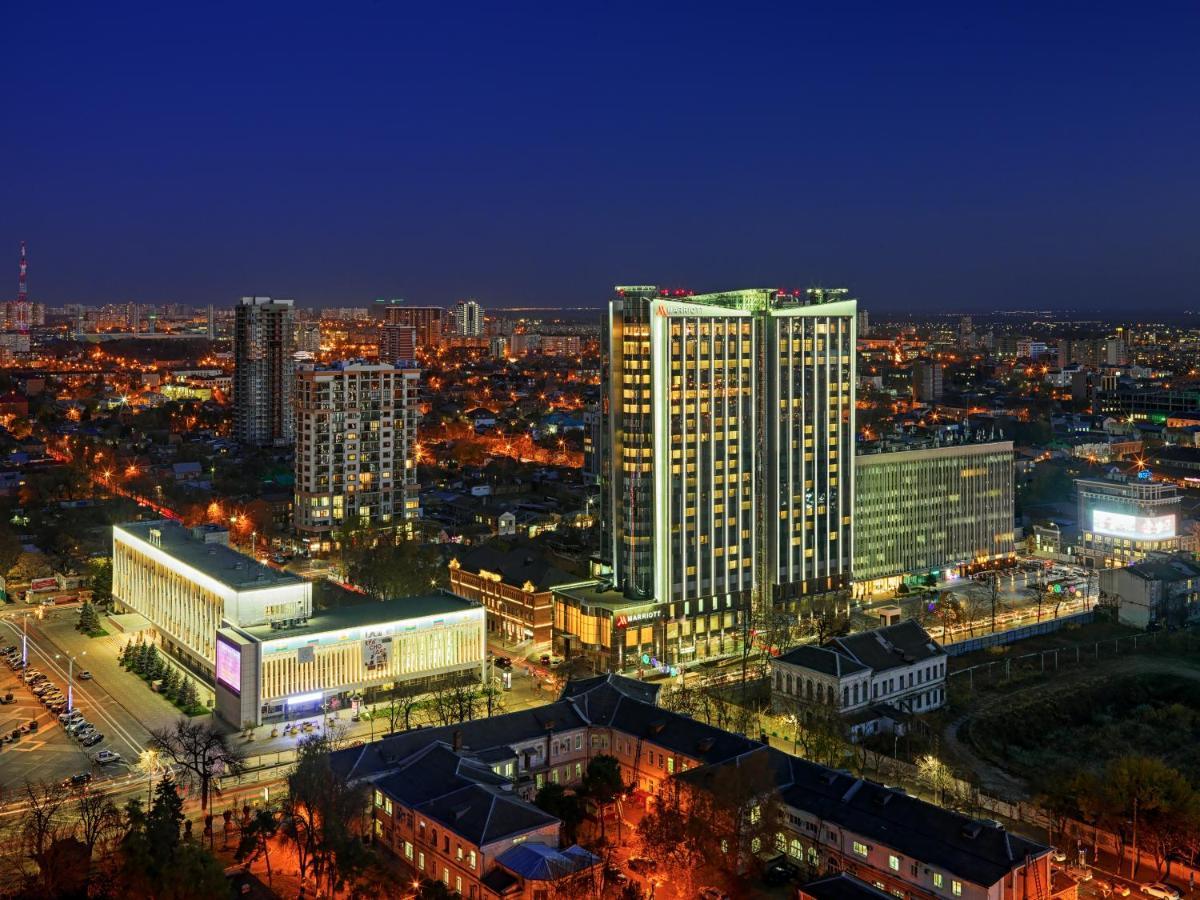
[[949, 157]]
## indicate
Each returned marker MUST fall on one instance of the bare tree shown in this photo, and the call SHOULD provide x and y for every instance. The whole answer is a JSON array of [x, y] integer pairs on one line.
[[97, 816], [43, 826], [202, 753]]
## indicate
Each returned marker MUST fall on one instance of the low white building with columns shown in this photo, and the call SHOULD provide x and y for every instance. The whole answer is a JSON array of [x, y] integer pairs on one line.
[[874, 678]]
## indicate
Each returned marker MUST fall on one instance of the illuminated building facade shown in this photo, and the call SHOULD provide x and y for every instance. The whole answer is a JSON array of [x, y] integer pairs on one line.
[[1122, 518], [355, 446], [264, 342], [265, 673], [730, 434], [397, 343], [960, 496], [468, 319], [186, 582], [513, 587], [426, 319], [250, 630]]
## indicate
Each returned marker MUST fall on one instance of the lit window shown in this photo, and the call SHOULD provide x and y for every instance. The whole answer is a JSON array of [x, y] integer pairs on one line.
[[894, 863], [956, 888], [938, 881], [860, 849]]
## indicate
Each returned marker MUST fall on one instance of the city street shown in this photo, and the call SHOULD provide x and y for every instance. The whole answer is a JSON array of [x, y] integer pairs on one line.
[[119, 704]]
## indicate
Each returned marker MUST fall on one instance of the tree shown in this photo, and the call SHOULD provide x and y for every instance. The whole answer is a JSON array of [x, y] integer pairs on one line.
[[101, 582], [396, 569], [188, 698], [670, 836], [603, 785], [322, 816], [456, 701], [202, 752], [256, 838], [563, 805], [827, 617], [948, 611], [171, 682], [155, 862], [89, 622], [97, 817], [738, 811], [1151, 797], [44, 824], [10, 548]]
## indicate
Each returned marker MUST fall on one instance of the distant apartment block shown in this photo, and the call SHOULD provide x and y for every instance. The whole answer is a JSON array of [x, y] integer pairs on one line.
[[468, 319], [397, 343], [427, 320], [264, 345]]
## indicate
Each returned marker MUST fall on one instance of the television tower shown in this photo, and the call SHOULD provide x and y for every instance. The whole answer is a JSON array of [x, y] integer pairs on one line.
[[23, 278]]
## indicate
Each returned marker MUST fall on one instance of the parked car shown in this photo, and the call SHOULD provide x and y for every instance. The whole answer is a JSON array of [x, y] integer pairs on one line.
[[7, 698], [1121, 890], [78, 726], [85, 675], [92, 739], [72, 716], [1060, 855], [77, 780], [503, 662], [1160, 891], [104, 757], [1080, 873], [32, 675]]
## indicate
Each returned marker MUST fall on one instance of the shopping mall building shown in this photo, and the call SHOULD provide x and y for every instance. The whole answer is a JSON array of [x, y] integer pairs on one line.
[[251, 631]]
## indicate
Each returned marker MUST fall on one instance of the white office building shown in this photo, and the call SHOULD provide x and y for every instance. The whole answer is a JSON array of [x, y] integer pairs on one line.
[[251, 632]]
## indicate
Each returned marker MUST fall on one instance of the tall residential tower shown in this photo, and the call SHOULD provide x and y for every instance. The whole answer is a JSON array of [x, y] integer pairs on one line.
[[264, 343], [356, 447]]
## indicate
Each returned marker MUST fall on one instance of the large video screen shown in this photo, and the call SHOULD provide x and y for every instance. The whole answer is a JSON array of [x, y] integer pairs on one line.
[[229, 665], [1141, 528]]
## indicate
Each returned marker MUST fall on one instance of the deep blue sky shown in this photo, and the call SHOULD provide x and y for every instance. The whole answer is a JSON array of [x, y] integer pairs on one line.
[[933, 157]]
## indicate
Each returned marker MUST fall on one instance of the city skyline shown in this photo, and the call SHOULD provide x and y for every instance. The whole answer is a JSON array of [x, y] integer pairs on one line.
[[968, 160]]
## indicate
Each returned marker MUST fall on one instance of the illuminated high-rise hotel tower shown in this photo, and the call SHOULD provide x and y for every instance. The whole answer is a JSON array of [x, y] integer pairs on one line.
[[730, 459]]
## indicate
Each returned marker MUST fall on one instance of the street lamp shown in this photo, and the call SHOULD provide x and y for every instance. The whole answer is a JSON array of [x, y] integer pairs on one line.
[[148, 762], [70, 676]]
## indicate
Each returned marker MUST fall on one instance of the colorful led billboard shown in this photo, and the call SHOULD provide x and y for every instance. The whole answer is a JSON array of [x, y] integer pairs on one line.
[[229, 664], [1137, 528]]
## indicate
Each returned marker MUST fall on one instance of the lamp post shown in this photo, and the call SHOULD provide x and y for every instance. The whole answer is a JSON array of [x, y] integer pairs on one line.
[[148, 762], [70, 677]]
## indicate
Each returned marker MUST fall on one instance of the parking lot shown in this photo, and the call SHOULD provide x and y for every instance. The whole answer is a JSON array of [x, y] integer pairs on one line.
[[49, 753]]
